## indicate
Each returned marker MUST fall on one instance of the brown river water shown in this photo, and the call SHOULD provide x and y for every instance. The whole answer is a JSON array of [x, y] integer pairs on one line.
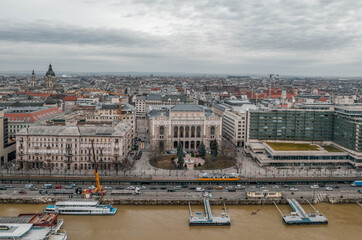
[[171, 222]]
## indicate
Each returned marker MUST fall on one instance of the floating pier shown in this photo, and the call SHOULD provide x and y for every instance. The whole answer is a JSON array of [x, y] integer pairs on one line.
[[208, 219], [300, 217]]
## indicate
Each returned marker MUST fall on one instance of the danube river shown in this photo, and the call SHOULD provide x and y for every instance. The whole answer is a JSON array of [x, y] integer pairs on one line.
[[171, 222]]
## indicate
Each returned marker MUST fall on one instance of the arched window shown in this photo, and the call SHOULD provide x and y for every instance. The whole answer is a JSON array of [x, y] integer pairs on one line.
[[198, 132], [187, 131], [192, 131], [175, 132], [181, 131], [162, 130], [212, 130]]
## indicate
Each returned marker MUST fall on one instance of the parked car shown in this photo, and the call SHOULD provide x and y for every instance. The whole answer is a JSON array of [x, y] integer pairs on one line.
[[219, 187], [329, 189], [336, 186], [275, 186], [9, 186], [33, 189], [177, 187], [131, 188], [58, 187], [314, 186], [231, 189], [293, 189], [184, 186], [3, 187], [119, 187], [68, 187], [108, 188], [22, 192], [143, 187], [92, 187], [239, 186], [153, 188], [192, 188], [163, 187], [171, 190], [199, 189]]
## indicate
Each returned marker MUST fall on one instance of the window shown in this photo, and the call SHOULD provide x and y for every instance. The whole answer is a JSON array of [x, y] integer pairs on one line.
[[162, 130], [212, 130]]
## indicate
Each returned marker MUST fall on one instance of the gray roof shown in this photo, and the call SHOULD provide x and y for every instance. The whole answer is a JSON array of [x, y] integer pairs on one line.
[[174, 98], [154, 97], [186, 108], [91, 130]]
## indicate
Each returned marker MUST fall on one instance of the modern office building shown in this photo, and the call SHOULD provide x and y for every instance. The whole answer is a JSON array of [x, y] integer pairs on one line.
[[320, 125]]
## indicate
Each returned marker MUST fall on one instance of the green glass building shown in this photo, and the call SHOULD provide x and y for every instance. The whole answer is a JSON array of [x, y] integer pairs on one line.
[[341, 124]]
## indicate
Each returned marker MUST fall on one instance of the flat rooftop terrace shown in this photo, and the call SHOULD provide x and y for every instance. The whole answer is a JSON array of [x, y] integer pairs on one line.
[[283, 146]]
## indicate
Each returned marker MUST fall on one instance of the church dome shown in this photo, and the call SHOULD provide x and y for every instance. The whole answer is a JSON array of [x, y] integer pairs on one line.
[[50, 71]]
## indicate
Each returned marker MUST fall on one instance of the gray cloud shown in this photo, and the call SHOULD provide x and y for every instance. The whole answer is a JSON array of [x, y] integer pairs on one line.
[[207, 35], [70, 34]]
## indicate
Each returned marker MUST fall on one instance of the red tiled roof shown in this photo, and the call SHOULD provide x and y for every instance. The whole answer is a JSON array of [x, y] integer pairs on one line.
[[323, 99], [35, 94], [70, 98], [33, 116]]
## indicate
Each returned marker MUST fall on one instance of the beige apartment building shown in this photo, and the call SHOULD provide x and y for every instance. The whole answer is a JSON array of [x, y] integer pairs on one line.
[[69, 147], [188, 124]]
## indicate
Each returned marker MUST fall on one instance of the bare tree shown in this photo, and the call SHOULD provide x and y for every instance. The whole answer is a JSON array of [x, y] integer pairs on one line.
[[126, 165]]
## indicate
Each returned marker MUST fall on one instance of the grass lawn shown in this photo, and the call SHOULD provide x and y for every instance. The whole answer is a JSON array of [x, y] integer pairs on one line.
[[330, 148], [220, 163], [280, 146], [164, 161]]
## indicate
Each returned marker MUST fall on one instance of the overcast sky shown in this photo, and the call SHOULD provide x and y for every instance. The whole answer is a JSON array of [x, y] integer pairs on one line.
[[302, 37]]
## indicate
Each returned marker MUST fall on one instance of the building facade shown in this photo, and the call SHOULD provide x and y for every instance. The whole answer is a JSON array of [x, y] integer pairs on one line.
[[69, 147], [7, 148], [187, 124]]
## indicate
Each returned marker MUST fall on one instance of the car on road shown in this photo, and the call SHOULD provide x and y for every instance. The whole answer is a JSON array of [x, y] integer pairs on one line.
[[163, 187], [108, 187], [47, 186], [336, 186], [329, 189], [3, 188], [231, 189], [29, 185], [22, 192], [199, 189], [33, 189], [239, 186], [171, 190], [219, 187], [68, 187], [153, 188], [92, 187], [314, 187], [192, 188], [184, 186], [9, 186], [119, 187], [58, 187], [177, 187], [131, 188], [293, 189], [275, 186], [143, 187], [322, 185]]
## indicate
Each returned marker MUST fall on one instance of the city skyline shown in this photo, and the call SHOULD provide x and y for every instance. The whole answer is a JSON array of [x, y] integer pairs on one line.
[[319, 38]]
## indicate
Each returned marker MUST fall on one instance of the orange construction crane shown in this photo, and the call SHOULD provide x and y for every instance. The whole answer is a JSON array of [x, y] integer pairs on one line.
[[112, 93], [99, 189]]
